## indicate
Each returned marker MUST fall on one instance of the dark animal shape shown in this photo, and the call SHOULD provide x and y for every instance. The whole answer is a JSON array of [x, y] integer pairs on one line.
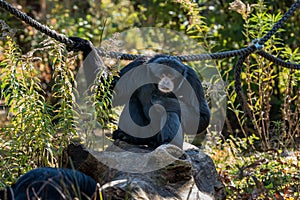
[[184, 106], [52, 184], [169, 87], [81, 45]]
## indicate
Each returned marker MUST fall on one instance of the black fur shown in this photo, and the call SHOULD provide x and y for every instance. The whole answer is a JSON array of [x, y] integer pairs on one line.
[[81, 45], [147, 95], [52, 184]]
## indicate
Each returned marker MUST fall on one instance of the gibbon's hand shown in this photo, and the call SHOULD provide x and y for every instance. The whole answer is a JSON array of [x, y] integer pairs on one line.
[[81, 45]]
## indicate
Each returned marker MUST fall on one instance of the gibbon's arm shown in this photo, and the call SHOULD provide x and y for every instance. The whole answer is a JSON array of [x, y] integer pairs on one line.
[[92, 62]]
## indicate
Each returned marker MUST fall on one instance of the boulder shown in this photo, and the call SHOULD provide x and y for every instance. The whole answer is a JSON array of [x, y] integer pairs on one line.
[[126, 171]]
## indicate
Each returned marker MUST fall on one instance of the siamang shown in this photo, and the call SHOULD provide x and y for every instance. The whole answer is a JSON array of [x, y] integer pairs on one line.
[[163, 98], [165, 81], [52, 183]]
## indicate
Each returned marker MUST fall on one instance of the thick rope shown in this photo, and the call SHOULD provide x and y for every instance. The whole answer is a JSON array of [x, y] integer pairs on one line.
[[259, 45], [238, 84], [185, 58], [280, 23], [32, 22], [278, 61], [218, 55]]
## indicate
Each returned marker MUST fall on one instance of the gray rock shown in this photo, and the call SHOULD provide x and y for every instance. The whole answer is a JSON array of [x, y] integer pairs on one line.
[[127, 171]]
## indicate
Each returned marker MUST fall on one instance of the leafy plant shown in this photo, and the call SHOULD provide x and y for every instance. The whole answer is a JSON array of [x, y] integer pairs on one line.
[[31, 139], [30, 134], [260, 175], [263, 81]]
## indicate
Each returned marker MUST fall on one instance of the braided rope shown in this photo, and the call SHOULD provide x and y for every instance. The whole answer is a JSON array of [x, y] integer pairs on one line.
[[218, 55], [278, 61], [238, 85], [118, 55], [32, 22], [185, 58], [280, 23]]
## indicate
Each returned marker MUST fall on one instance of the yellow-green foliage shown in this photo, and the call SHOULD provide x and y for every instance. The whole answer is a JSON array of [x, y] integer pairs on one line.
[[269, 86], [273, 174], [31, 139]]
